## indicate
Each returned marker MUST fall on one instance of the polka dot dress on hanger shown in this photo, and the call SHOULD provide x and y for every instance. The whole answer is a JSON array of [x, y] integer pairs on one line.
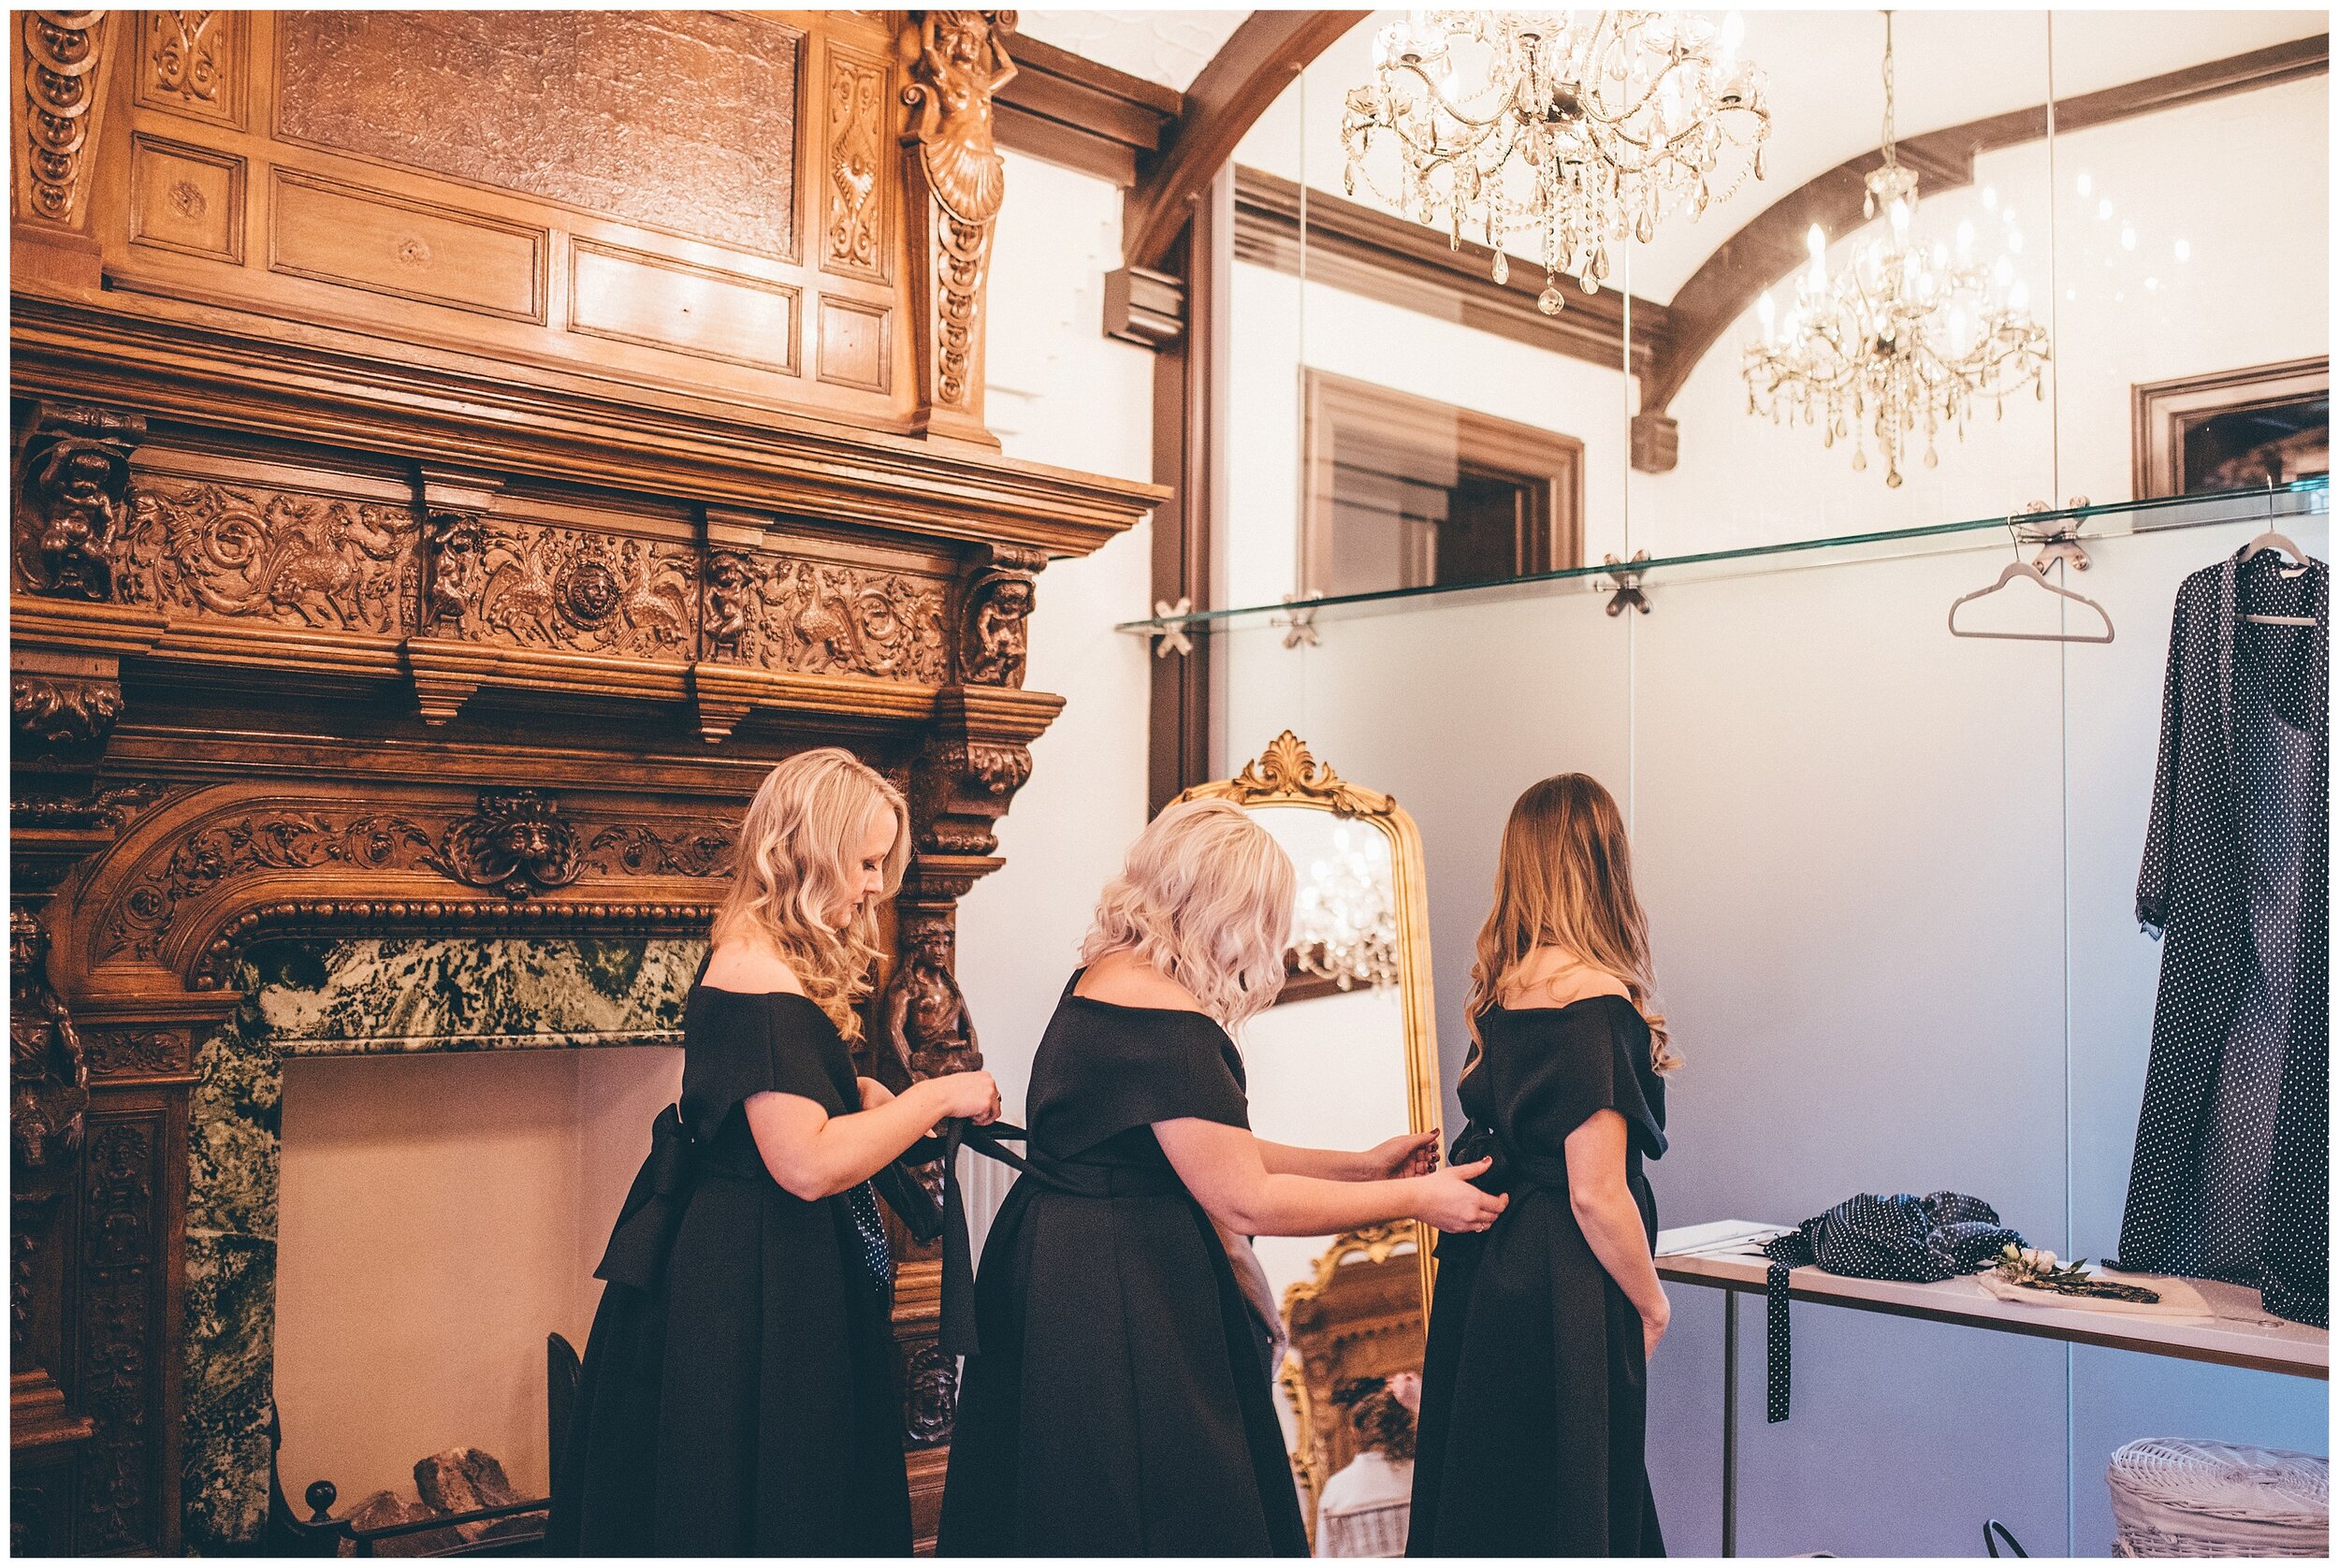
[[2230, 1178]]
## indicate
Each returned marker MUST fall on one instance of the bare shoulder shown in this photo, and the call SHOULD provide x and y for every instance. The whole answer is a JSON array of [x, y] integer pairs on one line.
[[1124, 980], [1552, 977], [751, 969]]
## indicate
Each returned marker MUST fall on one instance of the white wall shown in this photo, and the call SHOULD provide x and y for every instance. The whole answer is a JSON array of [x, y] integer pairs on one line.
[[1061, 392]]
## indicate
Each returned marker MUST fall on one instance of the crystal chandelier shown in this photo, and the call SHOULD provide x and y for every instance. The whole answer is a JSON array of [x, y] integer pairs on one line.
[[1584, 131], [1344, 922], [1903, 338]]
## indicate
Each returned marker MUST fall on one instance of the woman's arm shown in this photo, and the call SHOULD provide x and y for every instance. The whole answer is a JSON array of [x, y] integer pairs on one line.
[[1223, 1168], [1611, 1220], [1406, 1155], [815, 1155]]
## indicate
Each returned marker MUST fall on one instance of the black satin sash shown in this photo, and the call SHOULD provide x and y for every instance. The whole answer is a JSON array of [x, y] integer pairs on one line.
[[653, 1208]]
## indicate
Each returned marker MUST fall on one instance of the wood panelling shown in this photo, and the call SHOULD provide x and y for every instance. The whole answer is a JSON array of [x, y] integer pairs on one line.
[[859, 164], [856, 344], [186, 198], [371, 239], [195, 63], [660, 302], [680, 120]]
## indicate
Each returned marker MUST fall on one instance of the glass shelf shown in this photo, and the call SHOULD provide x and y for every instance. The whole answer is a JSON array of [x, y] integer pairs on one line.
[[2113, 520]]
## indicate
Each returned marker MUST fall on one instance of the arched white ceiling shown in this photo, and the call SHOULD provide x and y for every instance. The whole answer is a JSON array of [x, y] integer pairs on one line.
[[1169, 48], [1826, 94]]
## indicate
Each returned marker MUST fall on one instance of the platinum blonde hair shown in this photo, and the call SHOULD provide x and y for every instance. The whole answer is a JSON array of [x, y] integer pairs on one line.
[[797, 861], [1205, 897]]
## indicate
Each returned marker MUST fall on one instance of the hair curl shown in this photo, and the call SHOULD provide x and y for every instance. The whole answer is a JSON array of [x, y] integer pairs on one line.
[[795, 865], [1205, 897]]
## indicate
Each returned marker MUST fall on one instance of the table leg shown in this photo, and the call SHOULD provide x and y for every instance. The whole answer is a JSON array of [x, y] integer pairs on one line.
[[1729, 1423]]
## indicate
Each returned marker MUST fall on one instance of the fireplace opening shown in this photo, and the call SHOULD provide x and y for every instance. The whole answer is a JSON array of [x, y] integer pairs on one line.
[[439, 1215]]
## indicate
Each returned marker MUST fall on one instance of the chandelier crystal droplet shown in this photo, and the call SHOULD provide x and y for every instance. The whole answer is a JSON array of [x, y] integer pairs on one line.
[[1583, 131], [1903, 341]]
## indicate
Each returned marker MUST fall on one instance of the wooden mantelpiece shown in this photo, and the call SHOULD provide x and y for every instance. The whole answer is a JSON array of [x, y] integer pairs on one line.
[[400, 546]]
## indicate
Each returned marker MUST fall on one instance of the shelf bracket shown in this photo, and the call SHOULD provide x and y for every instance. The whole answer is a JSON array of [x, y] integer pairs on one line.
[[1299, 623], [2055, 541], [1628, 594], [1171, 638]]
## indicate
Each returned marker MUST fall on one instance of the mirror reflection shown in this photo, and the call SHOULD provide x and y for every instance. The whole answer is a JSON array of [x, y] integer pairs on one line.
[[1343, 1060]]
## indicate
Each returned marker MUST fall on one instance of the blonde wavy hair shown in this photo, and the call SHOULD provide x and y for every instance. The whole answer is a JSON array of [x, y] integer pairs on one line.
[[1564, 879], [1205, 897], [796, 861]]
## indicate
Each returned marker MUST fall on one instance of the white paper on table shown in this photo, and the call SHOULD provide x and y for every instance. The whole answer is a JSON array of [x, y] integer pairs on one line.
[[2178, 1298], [1719, 1235]]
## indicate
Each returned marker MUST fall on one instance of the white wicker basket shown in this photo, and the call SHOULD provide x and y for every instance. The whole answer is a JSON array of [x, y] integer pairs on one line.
[[2173, 1497]]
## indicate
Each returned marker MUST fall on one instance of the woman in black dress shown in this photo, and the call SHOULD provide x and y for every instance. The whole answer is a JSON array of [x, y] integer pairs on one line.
[[1534, 1389], [1117, 1406], [738, 1393]]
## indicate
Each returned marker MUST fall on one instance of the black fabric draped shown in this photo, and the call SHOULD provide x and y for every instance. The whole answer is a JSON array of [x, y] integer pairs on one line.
[[1535, 1388], [1117, 1406], [738, 1393], [2232, 1166]]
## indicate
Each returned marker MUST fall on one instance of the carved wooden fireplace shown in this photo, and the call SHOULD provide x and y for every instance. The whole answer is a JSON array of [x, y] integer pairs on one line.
[[433, 513]]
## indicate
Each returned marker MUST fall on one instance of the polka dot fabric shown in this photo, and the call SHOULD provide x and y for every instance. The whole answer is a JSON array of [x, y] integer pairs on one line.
[[1868, 1237], [2230, 1178], [875, 1252]]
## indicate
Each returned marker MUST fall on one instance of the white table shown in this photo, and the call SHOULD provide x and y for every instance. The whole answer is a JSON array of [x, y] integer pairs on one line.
[[2242, 1336]]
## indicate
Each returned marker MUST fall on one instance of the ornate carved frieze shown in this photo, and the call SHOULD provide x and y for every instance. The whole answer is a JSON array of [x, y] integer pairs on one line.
[[121, 1193], [994, 638], [72, 508], [535, 586], [958, 183], [810, 616], [63, 712], [321, 561], [61, 54], [854, 239], [521, 844], [137, 1053], [48, 1071], [79, 810]]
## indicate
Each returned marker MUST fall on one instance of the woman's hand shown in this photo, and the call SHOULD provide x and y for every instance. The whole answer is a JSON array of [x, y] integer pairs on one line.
[[1653, 1325], [1449, 1202], [1412, 1154], [971, 1095]]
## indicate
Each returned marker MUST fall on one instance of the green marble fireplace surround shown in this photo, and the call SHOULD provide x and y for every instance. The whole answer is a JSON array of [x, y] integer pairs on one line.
[[348, 998]]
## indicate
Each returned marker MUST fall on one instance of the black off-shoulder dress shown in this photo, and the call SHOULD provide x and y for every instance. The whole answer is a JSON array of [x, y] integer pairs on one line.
[[738, 1394], [1534, 1389], [1117, 1406]]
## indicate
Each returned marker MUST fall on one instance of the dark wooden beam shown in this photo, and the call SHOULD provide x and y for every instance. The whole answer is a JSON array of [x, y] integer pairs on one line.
[[1070, 111], [1365, 251], [1246, 74], [1770, 247]]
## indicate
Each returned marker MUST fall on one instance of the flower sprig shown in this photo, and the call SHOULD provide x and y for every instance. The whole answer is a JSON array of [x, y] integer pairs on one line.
[[2039, 1270]]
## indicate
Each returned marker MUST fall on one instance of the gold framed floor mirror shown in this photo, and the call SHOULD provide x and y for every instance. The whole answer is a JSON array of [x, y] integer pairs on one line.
[[1346, 1058]]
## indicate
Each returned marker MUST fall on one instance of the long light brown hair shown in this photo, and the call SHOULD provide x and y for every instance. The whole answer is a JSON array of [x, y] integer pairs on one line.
[[798, 861], [1564, 879], [1205, 897]]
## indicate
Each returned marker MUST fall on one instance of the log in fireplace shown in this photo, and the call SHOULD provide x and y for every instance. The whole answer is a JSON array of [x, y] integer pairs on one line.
[[433, 523]]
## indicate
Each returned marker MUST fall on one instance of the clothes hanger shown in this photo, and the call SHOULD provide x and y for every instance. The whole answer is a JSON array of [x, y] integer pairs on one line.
[[2022, 571], [2270, 540]]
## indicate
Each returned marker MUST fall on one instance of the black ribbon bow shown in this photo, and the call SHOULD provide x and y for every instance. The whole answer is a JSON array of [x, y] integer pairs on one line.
[[653, 1207]]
